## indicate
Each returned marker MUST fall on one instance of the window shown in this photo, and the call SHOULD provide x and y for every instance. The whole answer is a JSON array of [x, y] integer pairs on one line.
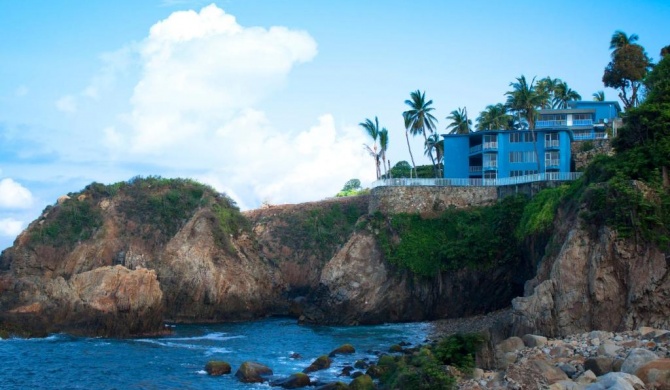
[[551, 140], [551, 160], [529, 157], [515, 157], [520, 137], [490, 160], [490, 175], [515, 173], [581, 116]]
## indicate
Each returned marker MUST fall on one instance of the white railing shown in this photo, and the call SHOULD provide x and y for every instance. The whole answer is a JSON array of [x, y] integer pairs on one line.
[[551, 123], [582, 122], [554, 143], [554, 162], [490, 145], [475, 149], [491, 164], [475, 169], [549, 176], [580, 136]]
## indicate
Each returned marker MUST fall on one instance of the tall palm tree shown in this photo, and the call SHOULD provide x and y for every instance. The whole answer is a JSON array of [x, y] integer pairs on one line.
[[420, 117], [460, 124], [598, 96], [372, 129], [525, 100], [408, 127], [495, 117], [546, 88], [562, 95], [434, 143], [620, 39], [383, 147]]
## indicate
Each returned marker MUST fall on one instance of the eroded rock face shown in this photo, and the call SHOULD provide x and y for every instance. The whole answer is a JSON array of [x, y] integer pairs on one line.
[[359, 287], [603, 282]]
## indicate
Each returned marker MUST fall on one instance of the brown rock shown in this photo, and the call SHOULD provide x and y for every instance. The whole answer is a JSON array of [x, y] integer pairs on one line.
[[345, 349], [655, 374], [321, 363], [216, 368], [252, 372], [600, 365], [534, 374]]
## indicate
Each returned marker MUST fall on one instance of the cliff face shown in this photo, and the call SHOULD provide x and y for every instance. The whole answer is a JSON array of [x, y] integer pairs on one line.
[[595, 281]]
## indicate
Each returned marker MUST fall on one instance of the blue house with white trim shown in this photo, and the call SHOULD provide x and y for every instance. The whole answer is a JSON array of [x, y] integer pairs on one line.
[[504, 154]]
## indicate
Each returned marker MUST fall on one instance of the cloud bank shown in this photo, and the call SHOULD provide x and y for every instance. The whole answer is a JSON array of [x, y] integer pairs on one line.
[[14, 196]]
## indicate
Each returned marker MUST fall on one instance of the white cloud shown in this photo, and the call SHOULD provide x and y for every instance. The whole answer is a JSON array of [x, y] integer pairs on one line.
[[67, 104], [21, 91], [10, 227], [13, 195], [195, 111]]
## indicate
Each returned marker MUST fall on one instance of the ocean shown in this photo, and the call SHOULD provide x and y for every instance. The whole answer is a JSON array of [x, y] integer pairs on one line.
[[177, 361]]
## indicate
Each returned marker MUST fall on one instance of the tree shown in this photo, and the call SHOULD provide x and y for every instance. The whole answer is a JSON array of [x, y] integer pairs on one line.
[[419, 117], [434, 143], [546, 88], [495, 117], [627, 69], [599, 96], [460, 124], [563, 94], [383, 147], [372, 129], [401, 169], [408, 129], [525, 100], [351, 187]]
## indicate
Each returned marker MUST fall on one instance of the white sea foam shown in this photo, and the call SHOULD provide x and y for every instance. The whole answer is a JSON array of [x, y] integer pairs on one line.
[[212, 351], [218, 336], [201, 372]]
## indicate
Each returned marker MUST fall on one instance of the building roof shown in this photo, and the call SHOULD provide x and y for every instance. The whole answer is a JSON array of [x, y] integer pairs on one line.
[[569, 111]]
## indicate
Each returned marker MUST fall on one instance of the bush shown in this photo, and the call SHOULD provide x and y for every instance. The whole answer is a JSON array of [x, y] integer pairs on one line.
[[419, 371], [459, 350]]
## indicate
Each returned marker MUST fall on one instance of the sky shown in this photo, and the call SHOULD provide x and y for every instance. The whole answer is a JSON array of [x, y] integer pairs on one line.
[[262, 99]]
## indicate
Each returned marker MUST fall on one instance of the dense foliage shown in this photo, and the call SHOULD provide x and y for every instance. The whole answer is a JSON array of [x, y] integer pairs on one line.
[[479, 237], [421, 370]]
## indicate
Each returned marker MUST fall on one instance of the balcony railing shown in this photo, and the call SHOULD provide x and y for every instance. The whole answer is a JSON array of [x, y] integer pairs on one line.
[[490, 145], [581, 136], [551, 123], [475, 169], [548, 176], [554, 143], [552, 163], [582, 122], [491, 164], [475, 149]]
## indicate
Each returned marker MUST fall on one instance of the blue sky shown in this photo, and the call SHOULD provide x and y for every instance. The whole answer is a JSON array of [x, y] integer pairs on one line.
[[260, 98]]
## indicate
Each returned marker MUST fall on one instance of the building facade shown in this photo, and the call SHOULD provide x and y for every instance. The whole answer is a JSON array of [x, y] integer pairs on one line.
[[504, 154]]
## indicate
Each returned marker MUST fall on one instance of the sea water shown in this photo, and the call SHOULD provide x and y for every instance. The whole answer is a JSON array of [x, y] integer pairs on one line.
[[177, 361]]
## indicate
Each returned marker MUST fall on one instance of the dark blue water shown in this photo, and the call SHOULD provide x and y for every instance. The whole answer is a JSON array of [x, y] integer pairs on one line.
[[177, 361]]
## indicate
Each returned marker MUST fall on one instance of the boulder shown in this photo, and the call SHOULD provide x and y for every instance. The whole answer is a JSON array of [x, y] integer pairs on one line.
[[587, 377], [617, 381], [608, 348], [568, 369], [346, 371], [600, 365], [395, 348], [217, 367], [321, 363], [345, 349], [363, 382], [294, 381], [534, 374], [252, 372], [375, 371], [566, 385], [505, 351], [333, 386], [295, 355], [533, 341], [655, 374], [361, 364], [637, 358]]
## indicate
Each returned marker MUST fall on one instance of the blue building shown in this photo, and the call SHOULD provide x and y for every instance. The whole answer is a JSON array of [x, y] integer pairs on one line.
[[502, 154]]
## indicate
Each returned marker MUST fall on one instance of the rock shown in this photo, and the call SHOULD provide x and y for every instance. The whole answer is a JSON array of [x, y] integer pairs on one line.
[[568, 369], [295, 355], [395, 348], [477, 374], [361, 364], [321, 363], [375, 371], [616, 364], [637, 358], [645, 330], [566, 385], [609, 349], [534, 374], [356, 374], [560, 351], [217, 367], [662, 337], [252, 372], [600, 365], [295, 381], [533, 341], [587, 377], [333, 386], [346, 371], [617, 381], [363, 382], [345, 349], [655, 374], [505, 351]]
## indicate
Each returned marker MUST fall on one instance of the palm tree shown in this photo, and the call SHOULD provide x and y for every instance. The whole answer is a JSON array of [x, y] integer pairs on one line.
[[562, 95], [460, 124], [599, 96], [434, 142], [494, 117], [546, 87], [620, 39], [408, 126], [525, 100], [383, 147], [420, 118], [372, 129]]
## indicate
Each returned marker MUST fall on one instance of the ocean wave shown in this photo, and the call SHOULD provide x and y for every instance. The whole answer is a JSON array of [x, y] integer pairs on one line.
[[217, 336]]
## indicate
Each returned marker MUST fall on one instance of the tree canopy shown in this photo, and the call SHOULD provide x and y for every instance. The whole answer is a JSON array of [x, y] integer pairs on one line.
[[627, 69]]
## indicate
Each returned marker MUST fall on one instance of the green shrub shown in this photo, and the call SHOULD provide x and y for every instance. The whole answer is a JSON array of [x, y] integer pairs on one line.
[[586, 146], [459, 350], [539, 213], [67, 223], [419, 371]]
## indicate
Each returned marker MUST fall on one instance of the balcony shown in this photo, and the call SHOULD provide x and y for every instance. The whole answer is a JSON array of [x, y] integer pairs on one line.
[[552, 163], [548, 176], [490, 145], [475, 149], [582, 122], [475, 169], [552, 123], [552, 144], [491, 165]]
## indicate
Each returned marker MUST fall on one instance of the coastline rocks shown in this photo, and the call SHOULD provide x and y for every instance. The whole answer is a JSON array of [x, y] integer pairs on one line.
[[295, 381], [655, 374], [252, 372], [637, 358], [345, 349], [363, 382], [321, 363], [217, 368]]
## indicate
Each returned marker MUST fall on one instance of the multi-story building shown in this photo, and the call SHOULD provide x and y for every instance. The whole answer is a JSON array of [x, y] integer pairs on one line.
[[503, 154]]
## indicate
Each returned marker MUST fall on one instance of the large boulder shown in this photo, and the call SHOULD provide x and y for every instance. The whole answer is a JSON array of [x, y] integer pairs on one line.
[[321, 363], [655, 374], [294, 381], [252, 372], [363, 382], [534, 374], [345, 349], [637, 358], [617, 381], [217, 368]]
